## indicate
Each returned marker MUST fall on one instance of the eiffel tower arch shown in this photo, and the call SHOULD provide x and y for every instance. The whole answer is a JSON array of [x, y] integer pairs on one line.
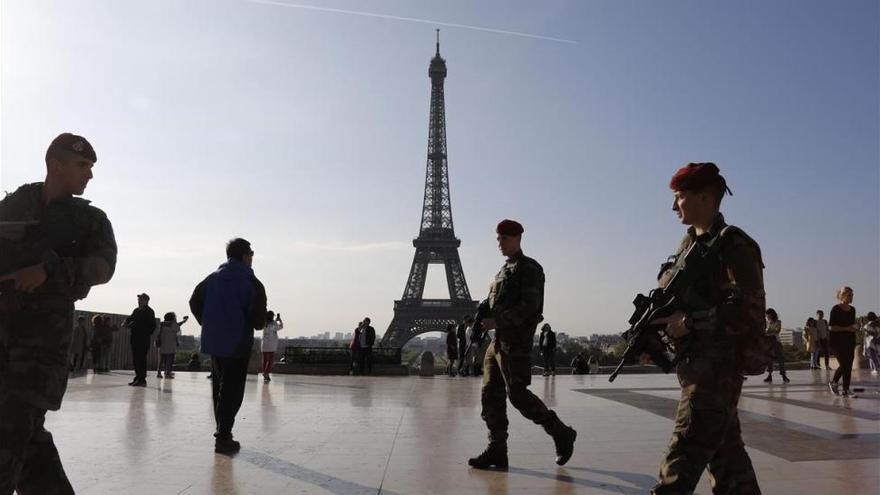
[[436, 243]]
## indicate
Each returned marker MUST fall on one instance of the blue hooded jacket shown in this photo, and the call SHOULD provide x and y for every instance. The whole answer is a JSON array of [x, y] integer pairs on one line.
[[229, 304]]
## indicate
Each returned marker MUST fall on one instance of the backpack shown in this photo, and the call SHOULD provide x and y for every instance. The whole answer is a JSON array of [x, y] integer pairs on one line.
[[754, 348]]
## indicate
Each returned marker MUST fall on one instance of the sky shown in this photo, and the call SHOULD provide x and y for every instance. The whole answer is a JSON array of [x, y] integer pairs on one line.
[[302, 127]]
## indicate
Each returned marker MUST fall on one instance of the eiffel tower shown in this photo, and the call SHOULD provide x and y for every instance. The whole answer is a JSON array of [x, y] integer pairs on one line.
[[436, 243]]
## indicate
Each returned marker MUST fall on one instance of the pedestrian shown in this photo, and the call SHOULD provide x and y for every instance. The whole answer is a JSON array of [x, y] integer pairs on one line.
[[269, 344], [141, 324], [167, 340], [710, 370], [842, 322], [354, 347], [824, 334], [365, 347], [77, 251], [229, 304], [811, 337], [580, 365], [78, 347], [547, 345], [516, 305], [773, 328], [195, 363], [451, 348], [461, 335], [476, 339], [102, 337], [872, 342]]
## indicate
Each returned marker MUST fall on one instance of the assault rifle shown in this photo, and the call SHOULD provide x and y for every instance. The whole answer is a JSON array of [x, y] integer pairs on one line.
[[478, 335], [643, 337], [14, 251]]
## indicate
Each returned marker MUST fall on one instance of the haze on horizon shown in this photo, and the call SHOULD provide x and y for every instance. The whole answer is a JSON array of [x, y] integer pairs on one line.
[[304, 130]]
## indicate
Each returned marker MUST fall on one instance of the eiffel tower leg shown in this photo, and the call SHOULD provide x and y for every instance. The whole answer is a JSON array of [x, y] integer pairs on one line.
[[458, 289], [415, 284]]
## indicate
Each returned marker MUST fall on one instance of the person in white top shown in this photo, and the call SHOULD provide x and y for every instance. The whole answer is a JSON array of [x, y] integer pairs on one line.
[[774, 326], [811, 337], [166, 341], [270, 343], [871, 346]]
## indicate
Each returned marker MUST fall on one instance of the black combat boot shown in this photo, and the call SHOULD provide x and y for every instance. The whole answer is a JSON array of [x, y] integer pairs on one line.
[[563, 437], [495, 456], [224, 444]]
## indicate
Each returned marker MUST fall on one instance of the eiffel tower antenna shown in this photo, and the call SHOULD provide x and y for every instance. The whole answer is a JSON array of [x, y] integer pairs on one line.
[[436, 243]]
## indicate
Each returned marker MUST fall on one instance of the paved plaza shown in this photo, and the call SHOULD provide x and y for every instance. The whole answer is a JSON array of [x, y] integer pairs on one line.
[[389, 435]]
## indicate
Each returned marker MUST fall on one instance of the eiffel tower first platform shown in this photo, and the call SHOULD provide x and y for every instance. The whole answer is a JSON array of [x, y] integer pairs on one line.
[[436, 243]]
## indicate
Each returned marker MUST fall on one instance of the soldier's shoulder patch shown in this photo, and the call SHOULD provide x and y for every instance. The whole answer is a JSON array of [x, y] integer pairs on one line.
[[735, 239], [531, 263]]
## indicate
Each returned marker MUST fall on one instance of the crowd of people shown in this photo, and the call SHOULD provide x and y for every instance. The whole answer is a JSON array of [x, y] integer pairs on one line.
[[465, 347]]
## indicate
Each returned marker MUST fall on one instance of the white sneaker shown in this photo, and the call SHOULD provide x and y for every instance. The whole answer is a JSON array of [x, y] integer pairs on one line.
[[873, 372]]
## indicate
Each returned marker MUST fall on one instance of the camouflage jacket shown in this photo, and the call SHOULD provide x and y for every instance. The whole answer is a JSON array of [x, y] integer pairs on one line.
[[36, 332], [727, 302], [516, 301]]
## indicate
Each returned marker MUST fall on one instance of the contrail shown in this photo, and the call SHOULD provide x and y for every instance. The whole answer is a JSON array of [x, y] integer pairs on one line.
[[412, 19]]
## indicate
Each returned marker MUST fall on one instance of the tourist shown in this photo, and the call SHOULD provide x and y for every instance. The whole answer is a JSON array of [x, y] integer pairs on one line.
[[824, 337], [269, 344], [843, 340], [102, 338], [811, 338], [142, 324], [354, 348], [78, 345], [229, 304], [872, 342], [365, 347], [773, 328], [580, 365], [167, 342], [461, 335], [547, 345], [451, 348], [195, 363]]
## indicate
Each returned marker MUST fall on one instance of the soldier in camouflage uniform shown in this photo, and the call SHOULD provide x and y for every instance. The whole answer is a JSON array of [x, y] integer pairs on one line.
[[68, 246], [516, 303], [723, 315]]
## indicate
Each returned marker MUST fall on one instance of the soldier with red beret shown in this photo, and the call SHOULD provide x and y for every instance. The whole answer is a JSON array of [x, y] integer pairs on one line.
[[66, 246], [516, 304], [717, 336]]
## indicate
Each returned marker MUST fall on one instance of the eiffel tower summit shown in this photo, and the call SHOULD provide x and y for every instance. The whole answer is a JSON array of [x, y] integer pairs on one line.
[[436, 243]]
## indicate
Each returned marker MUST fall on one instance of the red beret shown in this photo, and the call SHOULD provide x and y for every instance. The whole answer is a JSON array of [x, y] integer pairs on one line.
[[697, 176], [72, 143], [509, 227]]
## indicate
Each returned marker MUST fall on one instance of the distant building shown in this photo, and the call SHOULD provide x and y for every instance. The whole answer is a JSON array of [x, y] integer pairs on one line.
[[792, 337], [338, 336]]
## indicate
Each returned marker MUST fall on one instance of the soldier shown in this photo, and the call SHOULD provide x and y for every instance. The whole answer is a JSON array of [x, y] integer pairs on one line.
[[516, 302], [712, 342], [74, 248]]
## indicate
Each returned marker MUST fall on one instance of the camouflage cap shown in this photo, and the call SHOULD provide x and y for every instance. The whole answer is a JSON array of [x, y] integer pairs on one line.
[[509, 227], [71, 143]]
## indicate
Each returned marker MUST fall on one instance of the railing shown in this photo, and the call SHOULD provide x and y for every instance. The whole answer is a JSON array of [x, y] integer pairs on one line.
[[337, 355]]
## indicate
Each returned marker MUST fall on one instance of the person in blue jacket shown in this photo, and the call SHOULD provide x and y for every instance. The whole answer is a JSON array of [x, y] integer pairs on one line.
[[229, 304]]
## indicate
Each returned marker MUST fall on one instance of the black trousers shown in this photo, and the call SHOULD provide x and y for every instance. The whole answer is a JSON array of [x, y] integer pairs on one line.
[[844, 345], [549, 359], [140, 346], [227, 387], [365, 356], [779, 356], [29, 461], [824, 351]]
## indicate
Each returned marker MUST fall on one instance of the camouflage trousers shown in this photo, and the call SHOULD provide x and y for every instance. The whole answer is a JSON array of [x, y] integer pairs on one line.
[[507, 375], [29, 461], [707, 432]]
